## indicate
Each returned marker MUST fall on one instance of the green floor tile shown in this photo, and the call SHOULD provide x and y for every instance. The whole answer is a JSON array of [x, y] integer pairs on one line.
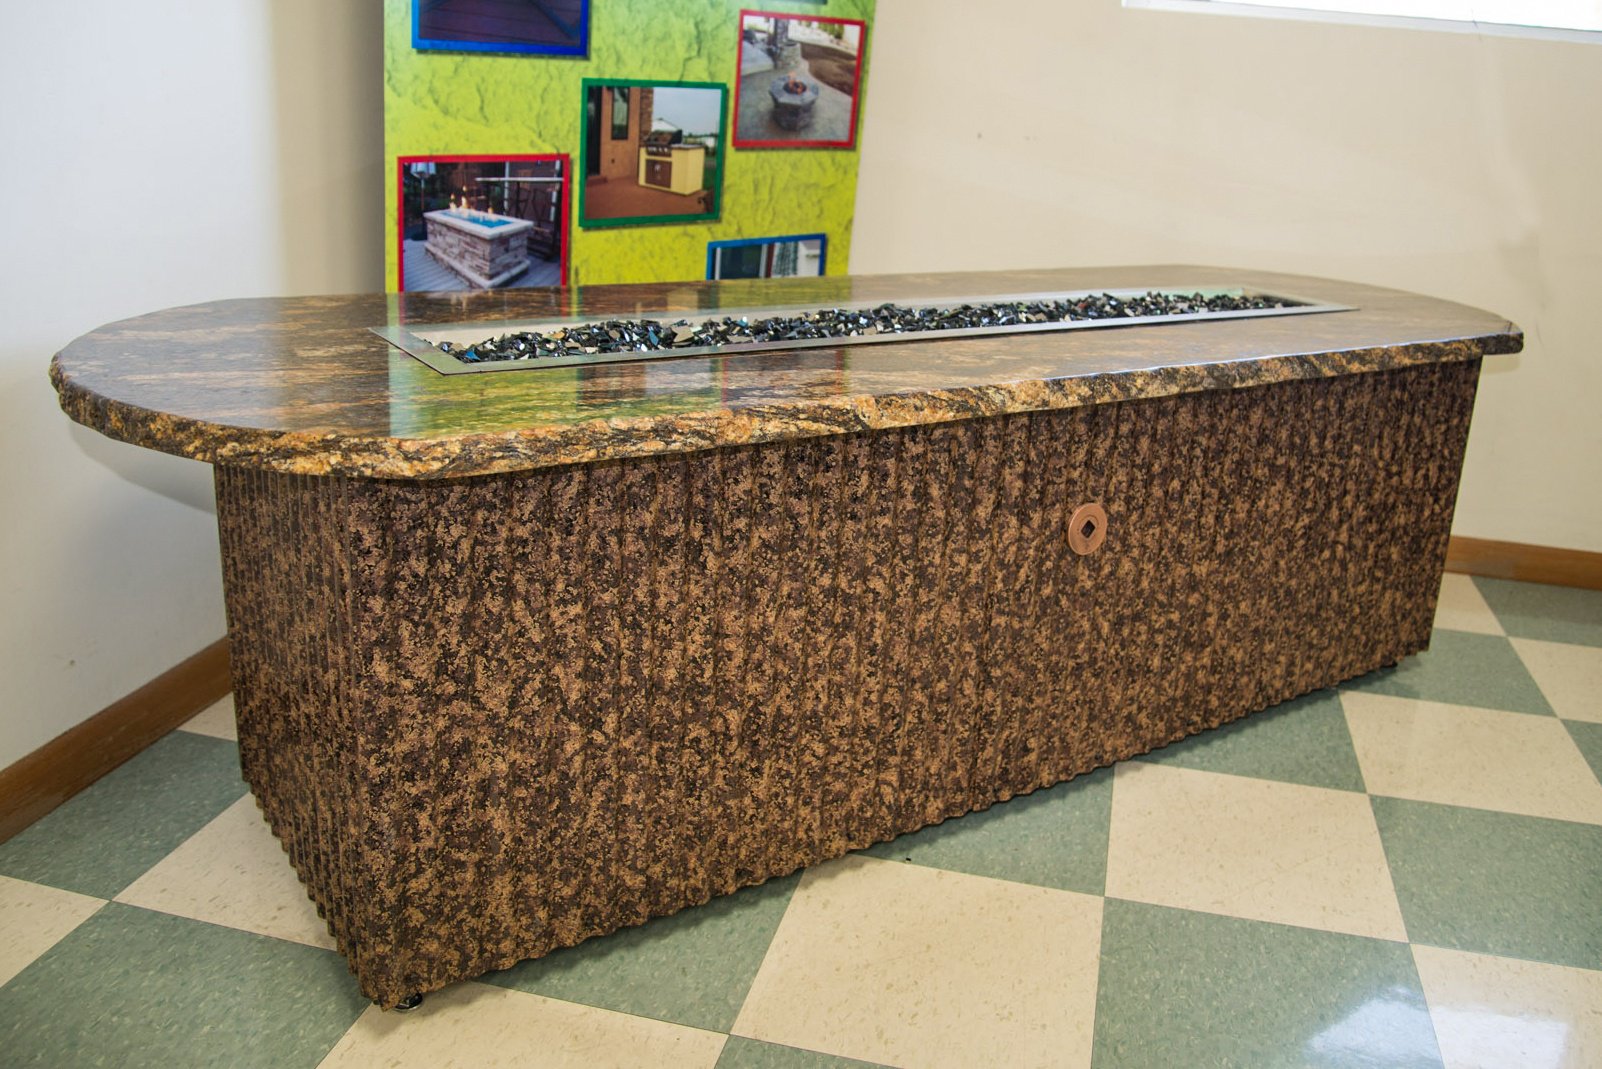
[[1191, 989], [1055, 837], [1538, 610], [1302, 741], [1461, 669], [692, 968], [103, 839], [1496, 883], [1588, 737], [129, 987], [741, 1053]]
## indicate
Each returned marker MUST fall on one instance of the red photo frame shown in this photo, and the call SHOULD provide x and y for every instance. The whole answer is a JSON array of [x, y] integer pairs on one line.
[[412, 206], [784, 99]]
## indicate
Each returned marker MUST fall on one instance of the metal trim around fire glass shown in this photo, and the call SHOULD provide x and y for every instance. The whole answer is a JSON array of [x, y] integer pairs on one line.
[[420, 341]]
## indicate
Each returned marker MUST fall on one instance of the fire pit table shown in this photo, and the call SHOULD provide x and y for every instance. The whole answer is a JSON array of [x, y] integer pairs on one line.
[[793, 100], [484, 249], [524, 657]]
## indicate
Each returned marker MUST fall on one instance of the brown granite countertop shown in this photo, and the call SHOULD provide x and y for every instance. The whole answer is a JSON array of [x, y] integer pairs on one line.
[[301, 385]]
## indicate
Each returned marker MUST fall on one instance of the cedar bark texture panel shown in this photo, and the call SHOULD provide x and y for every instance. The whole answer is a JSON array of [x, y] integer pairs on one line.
[[494, 716]]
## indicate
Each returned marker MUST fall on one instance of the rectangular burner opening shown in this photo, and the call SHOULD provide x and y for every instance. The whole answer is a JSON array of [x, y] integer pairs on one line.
[[525, 345]]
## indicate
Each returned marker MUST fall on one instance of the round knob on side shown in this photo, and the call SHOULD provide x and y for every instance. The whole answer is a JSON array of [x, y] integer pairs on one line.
[[1087, 528]]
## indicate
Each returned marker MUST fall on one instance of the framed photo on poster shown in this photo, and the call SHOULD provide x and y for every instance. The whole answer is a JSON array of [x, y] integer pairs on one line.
[[789, 256], [482, 222], [540, 27], [653, 152], [799, 81]]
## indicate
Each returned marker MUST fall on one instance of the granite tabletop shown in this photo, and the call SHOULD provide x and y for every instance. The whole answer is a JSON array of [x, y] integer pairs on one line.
[[302, 385]]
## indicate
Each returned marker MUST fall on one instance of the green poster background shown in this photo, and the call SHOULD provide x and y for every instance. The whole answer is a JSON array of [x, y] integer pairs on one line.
[[460, 104]]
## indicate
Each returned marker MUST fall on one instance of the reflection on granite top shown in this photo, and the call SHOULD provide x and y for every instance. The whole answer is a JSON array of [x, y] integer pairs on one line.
[[300, 384]]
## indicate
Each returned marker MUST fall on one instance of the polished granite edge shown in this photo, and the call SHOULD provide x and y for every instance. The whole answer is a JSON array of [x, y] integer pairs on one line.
[[303, 453]]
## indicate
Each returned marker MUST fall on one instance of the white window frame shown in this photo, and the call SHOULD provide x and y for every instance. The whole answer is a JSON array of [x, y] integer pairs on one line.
[[1312, 13]]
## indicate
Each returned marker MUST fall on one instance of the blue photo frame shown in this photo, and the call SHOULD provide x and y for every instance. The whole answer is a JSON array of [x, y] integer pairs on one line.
[[551, 28], [713, 248]]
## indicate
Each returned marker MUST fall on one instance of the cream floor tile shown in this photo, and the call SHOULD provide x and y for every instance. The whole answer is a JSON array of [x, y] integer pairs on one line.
[[913, 966], [233, 872], [214, 720], [1569, 676], [1483, 758], [1251, 848], [476, 1026], [1462, 608], [33, 918], [1490, 1013]]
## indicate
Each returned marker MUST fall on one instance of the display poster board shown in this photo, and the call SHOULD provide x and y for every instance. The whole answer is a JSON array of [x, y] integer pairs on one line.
[[550, 142]]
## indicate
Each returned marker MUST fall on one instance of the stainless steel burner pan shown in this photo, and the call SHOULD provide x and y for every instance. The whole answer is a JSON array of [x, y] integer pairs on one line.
[[421, 340]]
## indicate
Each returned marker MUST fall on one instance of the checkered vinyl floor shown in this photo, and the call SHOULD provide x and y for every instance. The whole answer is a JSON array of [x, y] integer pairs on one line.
[[1406, 871]]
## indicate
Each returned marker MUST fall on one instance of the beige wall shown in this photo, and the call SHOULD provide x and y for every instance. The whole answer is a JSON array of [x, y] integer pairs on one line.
[[154, 154], [1045, 133]]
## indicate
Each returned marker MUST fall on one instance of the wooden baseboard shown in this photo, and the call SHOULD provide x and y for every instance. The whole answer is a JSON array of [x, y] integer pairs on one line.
[[73, 760], [1533, 564]]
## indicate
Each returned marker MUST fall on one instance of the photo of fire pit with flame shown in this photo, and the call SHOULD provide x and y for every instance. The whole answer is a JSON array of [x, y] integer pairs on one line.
[[473, 223], [799, 81]]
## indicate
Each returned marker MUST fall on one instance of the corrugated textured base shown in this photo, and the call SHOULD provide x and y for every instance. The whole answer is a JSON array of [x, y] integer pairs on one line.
[[496, 716]]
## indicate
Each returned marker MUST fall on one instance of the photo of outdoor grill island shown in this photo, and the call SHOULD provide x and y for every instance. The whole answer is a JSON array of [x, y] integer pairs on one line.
[[652, 152], [798, 81], [474, 223]]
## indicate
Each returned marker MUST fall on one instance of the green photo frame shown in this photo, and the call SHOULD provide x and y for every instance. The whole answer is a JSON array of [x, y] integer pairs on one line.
[[653, 152]]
